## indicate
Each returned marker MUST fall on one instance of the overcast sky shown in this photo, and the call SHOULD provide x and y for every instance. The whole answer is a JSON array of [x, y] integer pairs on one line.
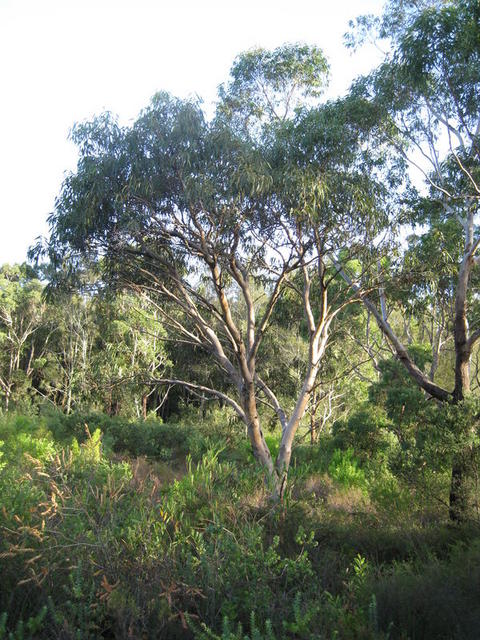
[[63, 61]]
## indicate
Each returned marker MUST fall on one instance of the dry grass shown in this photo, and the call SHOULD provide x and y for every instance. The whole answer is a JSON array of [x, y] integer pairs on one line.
[[351, 501], [154, 474], [319, 486]]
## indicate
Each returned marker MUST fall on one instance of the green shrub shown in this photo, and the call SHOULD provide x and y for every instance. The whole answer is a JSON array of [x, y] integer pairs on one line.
[[124, 549], [388, 494], [136, 438], [28, 630], [434, 599], [367, 431], [230, 633], [344, 469], [22, 435]]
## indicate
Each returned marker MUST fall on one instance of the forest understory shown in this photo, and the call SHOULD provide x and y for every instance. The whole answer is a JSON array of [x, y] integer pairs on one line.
[[121, 529]]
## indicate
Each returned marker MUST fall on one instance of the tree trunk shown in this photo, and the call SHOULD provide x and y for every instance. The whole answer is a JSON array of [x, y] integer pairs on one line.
[[313, 418], [260, 449], [460, 498], [282, 462], [69, 401]]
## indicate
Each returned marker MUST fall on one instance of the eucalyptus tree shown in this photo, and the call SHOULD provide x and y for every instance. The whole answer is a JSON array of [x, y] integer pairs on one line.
[[129, 353], [168, 206], [67, 378], [21, 317], [427, 94], [266, 87], [201, 216]]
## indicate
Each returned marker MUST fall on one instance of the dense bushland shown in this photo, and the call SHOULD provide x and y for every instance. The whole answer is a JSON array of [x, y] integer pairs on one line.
[[238, 401], [113, 528]]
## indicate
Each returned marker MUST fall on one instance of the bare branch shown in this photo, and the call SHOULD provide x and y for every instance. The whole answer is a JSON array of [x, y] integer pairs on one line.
[[198, 387]]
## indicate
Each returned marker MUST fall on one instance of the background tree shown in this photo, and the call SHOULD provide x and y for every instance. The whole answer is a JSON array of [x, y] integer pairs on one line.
[[129, 354], [21, 316], [426, 94]]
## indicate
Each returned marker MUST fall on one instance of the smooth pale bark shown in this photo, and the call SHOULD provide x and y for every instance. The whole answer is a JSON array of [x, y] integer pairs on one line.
[[282, 462], [318, 342], [260, 449], [234, 342]]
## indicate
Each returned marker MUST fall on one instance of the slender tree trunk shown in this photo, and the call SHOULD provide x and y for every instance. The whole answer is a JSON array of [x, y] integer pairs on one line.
[[462, 348], [313, 418], [260, 449], [69, 400], [282, 462], [461, 467]]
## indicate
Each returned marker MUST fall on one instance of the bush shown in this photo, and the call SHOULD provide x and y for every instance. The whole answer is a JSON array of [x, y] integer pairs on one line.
[[150, 438], [344, 469], [113, 548], [366, 431], [22, 435], [434, 599]]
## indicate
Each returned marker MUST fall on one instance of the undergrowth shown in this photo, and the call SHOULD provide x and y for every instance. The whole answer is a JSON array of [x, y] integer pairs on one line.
[[111, 529]]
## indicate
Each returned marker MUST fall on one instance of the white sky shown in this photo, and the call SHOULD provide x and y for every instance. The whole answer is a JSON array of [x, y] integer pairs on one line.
[[62, 61]]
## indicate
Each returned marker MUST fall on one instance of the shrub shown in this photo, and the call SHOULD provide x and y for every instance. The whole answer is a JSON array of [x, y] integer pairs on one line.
[[434, 599], [367, 431], [344, 469]]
